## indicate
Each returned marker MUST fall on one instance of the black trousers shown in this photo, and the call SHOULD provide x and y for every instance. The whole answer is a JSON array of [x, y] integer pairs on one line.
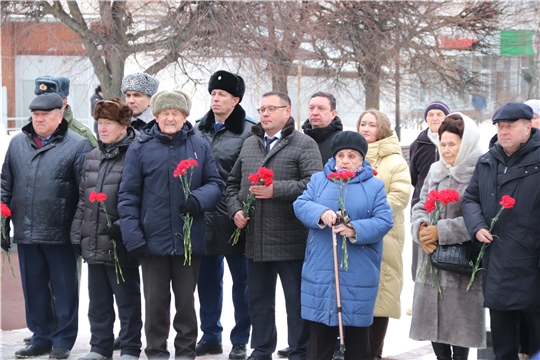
[[262, 278], [103, 289], [505, 333], [377, 333], [450, 352], [322, 342], [159, 273]]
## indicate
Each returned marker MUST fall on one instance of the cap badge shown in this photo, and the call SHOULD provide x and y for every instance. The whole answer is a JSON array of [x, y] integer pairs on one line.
[[219, 78], [42, 87], [132, 81]]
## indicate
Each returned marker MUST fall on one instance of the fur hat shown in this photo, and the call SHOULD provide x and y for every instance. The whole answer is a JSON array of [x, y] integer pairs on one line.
[[349, 140], [176, 99], [439, 105], [113, 109], [46, 102], [140, 82], [229, 82], [48, 84], [513, 111]]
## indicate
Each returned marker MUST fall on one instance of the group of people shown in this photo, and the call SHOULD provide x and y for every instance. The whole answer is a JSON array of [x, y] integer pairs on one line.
[[121, 202]]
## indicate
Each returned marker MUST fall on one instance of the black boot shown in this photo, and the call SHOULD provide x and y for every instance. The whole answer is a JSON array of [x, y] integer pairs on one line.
[[376, 349], [442, 351], [460, 353]]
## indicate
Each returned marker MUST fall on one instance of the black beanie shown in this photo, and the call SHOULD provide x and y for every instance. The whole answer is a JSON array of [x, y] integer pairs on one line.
[[229, 82], [349, 140]]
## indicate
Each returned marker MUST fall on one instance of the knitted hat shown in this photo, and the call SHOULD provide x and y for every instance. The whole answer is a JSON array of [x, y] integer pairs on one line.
[[113, 109], [176, 99], [140, 82], [229, 82], [512, 112], [535, 106], [46, 102], [439, 105], [48, 84], [349, 140]]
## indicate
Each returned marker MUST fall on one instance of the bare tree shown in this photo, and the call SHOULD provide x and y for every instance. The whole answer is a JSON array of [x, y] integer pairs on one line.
[[112, 31]]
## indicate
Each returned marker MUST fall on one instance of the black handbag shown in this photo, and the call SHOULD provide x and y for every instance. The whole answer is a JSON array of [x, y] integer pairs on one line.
[[457, 258]]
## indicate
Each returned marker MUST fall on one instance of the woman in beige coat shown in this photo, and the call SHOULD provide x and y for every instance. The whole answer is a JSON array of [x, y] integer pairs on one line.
[[384, 155], [455, 321]]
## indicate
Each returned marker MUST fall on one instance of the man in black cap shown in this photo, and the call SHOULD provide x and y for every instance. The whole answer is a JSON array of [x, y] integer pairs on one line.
[[60, 85], [40, 183], [225, 127], [511, 281]]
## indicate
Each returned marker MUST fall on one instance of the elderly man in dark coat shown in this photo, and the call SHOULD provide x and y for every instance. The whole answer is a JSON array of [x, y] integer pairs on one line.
[[151, 201], [224, 127], [275, 238], [40, 183], [511, 281]]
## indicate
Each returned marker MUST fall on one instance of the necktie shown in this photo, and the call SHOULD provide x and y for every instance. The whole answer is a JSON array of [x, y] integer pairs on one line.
[[218, 126], [269, 141]]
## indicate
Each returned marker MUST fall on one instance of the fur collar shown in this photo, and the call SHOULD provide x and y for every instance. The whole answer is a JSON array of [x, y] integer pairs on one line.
[[234, 123], [287, 130]]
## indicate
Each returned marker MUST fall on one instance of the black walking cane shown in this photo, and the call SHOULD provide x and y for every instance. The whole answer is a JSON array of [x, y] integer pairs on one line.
[[340, 354]]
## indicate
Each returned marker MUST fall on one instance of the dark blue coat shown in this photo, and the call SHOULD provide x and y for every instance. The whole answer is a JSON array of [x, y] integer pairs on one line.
[[512, 261], [371, 216], [150, 195]]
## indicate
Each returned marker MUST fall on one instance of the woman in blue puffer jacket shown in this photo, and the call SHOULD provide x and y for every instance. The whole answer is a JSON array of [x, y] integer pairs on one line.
[[370, 219]]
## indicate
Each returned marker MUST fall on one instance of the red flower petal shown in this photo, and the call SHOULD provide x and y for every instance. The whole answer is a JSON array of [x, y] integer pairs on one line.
[[507, 201], [433, 195], [447, 196], [429, 205], [6, 212]]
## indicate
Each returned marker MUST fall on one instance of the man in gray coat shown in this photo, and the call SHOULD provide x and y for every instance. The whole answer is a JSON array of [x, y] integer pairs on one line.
[[40, 183], [275, 238]]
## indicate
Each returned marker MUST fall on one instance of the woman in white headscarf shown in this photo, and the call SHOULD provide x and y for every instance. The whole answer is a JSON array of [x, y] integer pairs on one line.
[[453, 322]]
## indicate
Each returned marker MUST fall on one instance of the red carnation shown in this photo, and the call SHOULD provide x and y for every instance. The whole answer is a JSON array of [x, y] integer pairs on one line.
[[448, 196], [6, 212], [433, 195], [99, 197], [429, 205], [375, 173], [507, 202]]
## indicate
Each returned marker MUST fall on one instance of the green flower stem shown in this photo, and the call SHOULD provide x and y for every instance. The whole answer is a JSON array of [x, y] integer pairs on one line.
[[246, 209], [117, 267], [476, 266]]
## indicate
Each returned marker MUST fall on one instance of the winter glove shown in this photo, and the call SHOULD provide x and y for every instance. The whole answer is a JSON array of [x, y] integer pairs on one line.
[[6, 241], [78, 249], [114, 233], [140, 253], [191, 206], [428, 237]]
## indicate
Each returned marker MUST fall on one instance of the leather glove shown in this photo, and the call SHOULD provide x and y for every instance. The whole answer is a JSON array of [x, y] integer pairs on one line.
[[6, 241], [428, 237], [140, 252], [78, 249], [191, 206], [114, 233]]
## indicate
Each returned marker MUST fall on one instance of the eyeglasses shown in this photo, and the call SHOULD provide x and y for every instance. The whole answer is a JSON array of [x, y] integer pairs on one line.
[[270, 109]]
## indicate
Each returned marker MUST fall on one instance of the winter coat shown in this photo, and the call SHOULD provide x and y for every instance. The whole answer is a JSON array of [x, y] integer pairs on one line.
[[41, 186], [102, 172], [323, 136], [385, 157], [149, 197], [273, 231], [226, 145], [422, 153], [457, 318], [512, 261], [78, 127], [371, 216]]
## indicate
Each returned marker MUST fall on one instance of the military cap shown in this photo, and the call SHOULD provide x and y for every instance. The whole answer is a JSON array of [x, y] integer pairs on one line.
[[48, 84], [229, 82], [140, 82]]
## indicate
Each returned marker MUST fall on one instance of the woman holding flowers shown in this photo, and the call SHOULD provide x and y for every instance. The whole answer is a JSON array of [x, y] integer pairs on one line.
[[96, 235], [169, 180], [384, 155], [367, 218], [443, 311]]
